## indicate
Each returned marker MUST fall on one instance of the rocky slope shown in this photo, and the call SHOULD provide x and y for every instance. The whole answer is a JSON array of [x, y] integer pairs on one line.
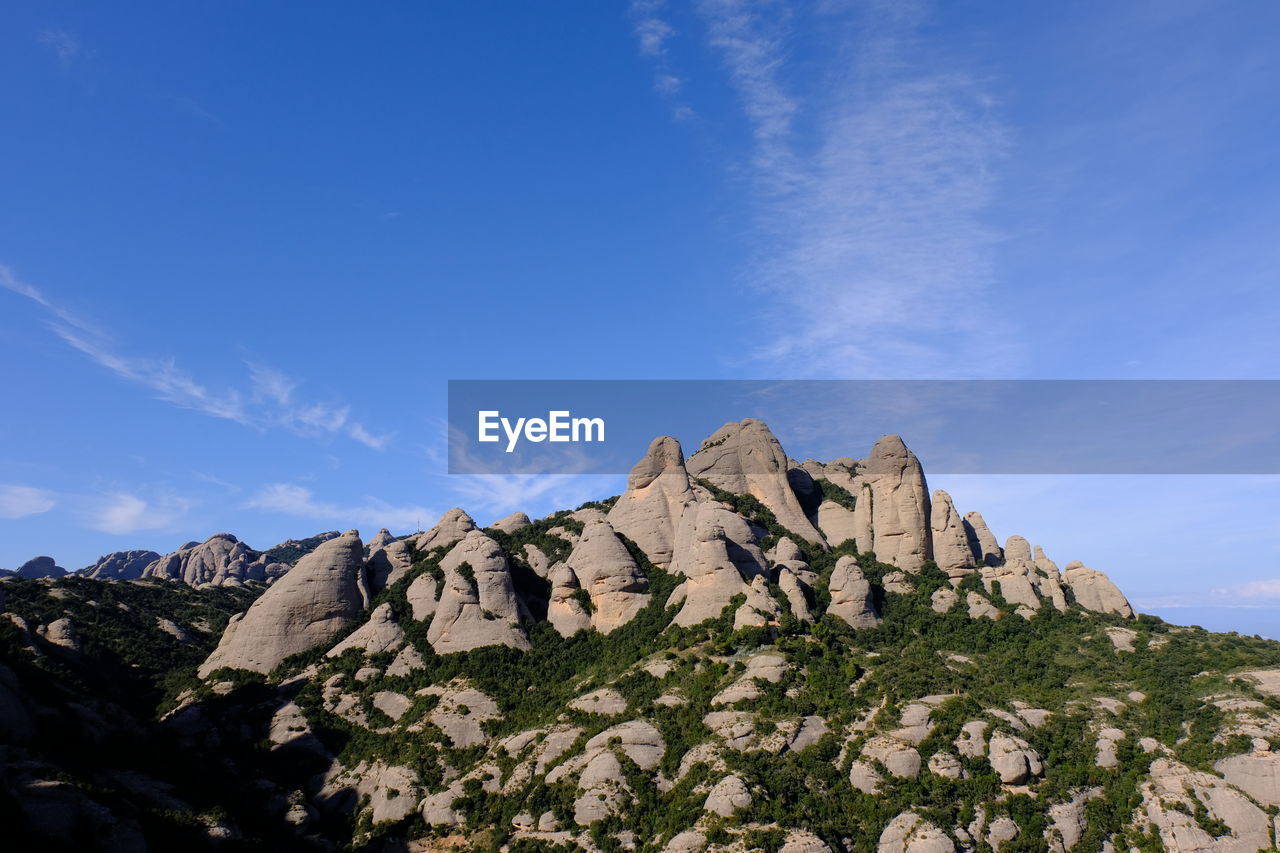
[[739, 653]]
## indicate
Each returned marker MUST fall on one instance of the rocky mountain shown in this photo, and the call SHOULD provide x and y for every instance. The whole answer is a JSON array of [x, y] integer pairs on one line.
[[121, 565], [739, 653], [221, 560], [36, 567]]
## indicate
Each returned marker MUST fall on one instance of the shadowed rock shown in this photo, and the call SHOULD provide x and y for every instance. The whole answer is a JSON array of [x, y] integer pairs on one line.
[[40, 567], [950, 542], [982, 542]]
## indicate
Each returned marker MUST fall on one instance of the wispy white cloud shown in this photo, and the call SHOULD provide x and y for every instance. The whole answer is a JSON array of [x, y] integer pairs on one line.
[[667, 84], [1250, 595], [22, 501], [192, 108], [1260, 591], [269, 402], [290, 499], [65, 46], [215, 480], [122, 512], [869, 223], [537, 494], [652, 32], [493, 496], [162, 376], [749, 36], [368, 439]]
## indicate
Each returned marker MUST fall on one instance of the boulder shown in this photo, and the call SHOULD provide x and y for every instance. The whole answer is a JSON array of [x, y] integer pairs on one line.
[[943, 600], [388, 563], [982, 542], [811, 730], [565, 610], [1106, 747], [606, 701], [604, 567], [910, 833], [380, 634], [851, 598], [1017, 549], [1015, 584], [1013, 759], [448, 531], [603, 789], [972, 742], [803, 841], [1068, 822], [1094, 591], [898, 583], [1048, 580], [324, 593], [62, 632], [727, 796], [786, 551], [899, 505], [512, 523], [704, 557], [745, 459], [979, 607], [864, 777], [478, 605], [796, 592], [1001, 831], [658, 495], [899, 758], [537, 560], [950, 541], [391, 791], [760, 609], [173, 629], [946, 765], [406, 662], [462, 712], [381, 538]]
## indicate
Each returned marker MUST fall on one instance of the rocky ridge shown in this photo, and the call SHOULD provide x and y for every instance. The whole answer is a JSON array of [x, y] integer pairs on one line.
[[739, 653]]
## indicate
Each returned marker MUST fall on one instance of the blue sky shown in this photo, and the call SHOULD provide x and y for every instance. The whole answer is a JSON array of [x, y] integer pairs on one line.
[[243, 246]]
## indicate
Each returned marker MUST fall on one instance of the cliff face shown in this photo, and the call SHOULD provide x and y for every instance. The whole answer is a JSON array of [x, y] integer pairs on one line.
[[324, 593]]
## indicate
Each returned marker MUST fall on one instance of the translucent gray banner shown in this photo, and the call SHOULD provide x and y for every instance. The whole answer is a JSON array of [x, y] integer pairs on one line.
[[954, 426]]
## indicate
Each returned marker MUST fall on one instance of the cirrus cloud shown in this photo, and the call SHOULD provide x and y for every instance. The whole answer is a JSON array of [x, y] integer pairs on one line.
[[22, 501]]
